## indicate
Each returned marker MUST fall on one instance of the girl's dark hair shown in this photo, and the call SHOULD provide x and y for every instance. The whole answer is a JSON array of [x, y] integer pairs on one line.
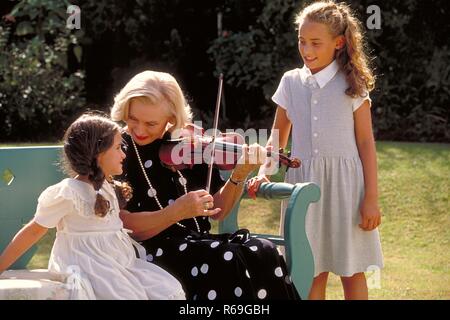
[[84, 140]]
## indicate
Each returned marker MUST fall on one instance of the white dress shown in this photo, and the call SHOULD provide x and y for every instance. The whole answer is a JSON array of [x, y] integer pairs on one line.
[[323, 138], [97, 251]]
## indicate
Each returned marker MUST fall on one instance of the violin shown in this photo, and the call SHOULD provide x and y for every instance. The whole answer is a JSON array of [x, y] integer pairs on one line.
[[222, 150], [193, 146]]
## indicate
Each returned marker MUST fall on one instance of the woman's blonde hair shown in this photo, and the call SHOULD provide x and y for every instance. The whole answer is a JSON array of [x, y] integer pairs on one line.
[[155, 88], [352, 58]]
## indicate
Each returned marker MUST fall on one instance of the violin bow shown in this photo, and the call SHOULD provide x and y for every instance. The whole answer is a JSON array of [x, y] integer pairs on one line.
[[215, 125]]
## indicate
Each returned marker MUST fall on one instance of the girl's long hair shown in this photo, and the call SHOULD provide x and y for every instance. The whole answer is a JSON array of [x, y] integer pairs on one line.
[[84, 140], [352, 58]]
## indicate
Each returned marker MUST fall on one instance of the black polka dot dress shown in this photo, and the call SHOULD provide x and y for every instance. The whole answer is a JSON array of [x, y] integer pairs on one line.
[[209, 266]]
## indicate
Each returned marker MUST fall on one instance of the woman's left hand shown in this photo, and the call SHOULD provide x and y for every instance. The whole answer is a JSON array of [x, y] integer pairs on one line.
[[370, 214], [252, 157]]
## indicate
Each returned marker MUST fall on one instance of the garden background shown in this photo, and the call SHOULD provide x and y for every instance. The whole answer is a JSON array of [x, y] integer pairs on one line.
[[49, 74]]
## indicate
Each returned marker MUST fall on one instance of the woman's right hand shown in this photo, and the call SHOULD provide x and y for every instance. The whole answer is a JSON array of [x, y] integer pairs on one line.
[[196, 203], [254, 183]]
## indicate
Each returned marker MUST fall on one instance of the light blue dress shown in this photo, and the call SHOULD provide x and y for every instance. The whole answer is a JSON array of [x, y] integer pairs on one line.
[[323, 138]]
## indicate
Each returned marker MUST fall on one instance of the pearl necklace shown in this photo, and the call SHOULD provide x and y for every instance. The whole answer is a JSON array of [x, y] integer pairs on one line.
[[152, 191]]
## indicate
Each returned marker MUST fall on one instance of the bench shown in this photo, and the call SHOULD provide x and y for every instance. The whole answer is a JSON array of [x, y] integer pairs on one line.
[[26, 171]]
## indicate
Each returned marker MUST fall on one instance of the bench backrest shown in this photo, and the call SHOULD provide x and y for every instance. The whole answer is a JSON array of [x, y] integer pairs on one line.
[[25, 172]]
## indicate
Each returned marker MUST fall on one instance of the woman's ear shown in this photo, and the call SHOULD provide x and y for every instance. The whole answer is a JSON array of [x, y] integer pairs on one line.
[[340, 42]]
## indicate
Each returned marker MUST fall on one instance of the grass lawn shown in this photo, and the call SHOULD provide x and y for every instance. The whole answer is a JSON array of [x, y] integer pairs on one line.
[[415, 231]]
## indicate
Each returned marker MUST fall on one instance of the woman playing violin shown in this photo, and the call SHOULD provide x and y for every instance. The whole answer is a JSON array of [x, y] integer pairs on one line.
[[170, 208]]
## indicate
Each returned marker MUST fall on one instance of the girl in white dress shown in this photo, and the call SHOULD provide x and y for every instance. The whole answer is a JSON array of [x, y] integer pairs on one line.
[[327, 105], [90, 240]]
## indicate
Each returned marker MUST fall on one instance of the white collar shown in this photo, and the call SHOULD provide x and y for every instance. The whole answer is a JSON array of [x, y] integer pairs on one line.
[[323, 76]]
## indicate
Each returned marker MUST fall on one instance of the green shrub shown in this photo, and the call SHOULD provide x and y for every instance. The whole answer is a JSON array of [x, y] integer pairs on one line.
[[38, 92], [411, 54]]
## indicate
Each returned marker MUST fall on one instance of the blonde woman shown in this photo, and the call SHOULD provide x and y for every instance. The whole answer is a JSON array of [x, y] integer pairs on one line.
[[169, 210]]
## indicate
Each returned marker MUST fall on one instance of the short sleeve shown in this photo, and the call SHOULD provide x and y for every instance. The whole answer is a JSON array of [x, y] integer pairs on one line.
[[52, 206], [280, 97], [358, 101]]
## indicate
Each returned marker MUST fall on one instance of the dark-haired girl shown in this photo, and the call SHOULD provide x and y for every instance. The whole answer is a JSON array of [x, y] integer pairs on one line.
[[85, 209]]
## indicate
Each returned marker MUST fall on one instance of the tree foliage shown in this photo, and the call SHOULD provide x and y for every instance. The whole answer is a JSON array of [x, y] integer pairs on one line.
[[410, 53], [38, 92], [253, 47]]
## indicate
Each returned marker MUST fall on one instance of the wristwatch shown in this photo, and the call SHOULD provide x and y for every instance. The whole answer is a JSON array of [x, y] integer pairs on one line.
[[236, 183]]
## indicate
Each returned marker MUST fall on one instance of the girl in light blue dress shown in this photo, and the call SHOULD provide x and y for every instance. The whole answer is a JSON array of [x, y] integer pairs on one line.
[[326, 103]]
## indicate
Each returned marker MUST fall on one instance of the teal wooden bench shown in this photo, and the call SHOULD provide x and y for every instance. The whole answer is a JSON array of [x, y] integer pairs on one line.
[[27, 171]]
